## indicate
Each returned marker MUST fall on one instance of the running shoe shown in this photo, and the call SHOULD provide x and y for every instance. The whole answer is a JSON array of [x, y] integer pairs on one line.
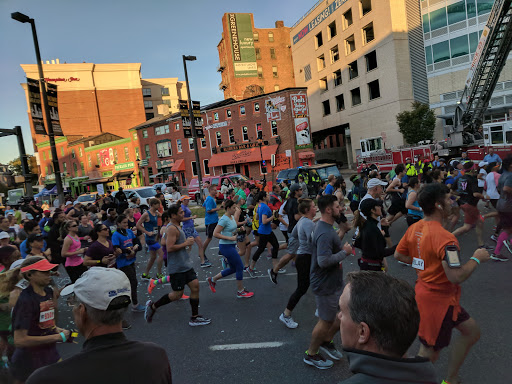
[[496, 257], [151, 285], [184, 297], [206, 264], [288, 321], [272, 275], [126, 325], [146, 276], [198, 321], [149, 312], [211, 284], [331, 351], [507, 244], [138, 308], [245, 294], [281, 271], [250, 272], [317, 361], [494, 238], [160, 275]]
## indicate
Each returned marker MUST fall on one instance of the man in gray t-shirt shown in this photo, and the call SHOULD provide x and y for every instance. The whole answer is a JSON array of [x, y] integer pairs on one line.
[[326, 283]]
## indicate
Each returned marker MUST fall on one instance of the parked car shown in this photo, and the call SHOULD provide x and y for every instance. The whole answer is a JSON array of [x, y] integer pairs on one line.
[[324, 170], [230, 178], [143, 193], [87, 198]]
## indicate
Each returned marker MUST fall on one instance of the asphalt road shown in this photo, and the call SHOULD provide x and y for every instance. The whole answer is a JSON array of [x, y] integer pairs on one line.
[[199, 355]]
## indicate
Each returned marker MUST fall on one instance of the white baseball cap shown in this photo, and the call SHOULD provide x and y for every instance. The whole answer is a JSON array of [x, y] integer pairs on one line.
[[375, 181], [483, 164], [4, 235], [98, 286]]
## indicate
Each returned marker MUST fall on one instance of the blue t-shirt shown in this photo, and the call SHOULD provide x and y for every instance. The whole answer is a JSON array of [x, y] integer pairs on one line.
[[123, 242], [188, 213], [264, 229], [494, 158], [210, 218], [328, 190], [24, 248], [229, 228]]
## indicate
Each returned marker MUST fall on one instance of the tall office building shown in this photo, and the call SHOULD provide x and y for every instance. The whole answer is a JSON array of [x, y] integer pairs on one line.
[[451, 30], [161, 96]]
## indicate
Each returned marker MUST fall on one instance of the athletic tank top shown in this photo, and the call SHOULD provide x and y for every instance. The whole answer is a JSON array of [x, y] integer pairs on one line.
[[151, 226], [412, 212], [397, 195], [179, 261], [73, 261]]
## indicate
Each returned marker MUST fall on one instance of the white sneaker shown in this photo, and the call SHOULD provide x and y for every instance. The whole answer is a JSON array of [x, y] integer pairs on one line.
[[288, 321]]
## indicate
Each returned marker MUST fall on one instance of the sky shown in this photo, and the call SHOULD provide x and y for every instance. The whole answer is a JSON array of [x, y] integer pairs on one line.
[[155, 33]]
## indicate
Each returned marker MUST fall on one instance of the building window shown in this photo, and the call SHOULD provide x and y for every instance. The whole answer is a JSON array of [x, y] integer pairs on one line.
[[137, 153], [228, 113], [340, 103], [260, 72], [271, 36], [441, 51], [65, 167], [473, 42], [162, 130], [350, 45], [356, 96], [459, 46], [319, 41], [165, 91], [352, 70], [307, 73], [177, 126], [72, 154], [147, 151], [335, 54], [428, 54], [365, 6], [326, 107], [456, 12], [373, 89], [274, 71], [126, 154], [426, 23], [80, 153], [272, 53], [484, 6], [203, 142], [331, 29], [62, 151], [149, 115], [148, 104], [323, 84], [242, 110], [258, 54], [320, 62], [371, 61], [190, 143], [98, 161], [347, 19], [145, 133], [75, 169], [178, 146], [194, 168], [216, 116], [167, 102], [471, 8], [82, 168], [438, 18], [273, 126], [218, 135], [146, 92], [115, 155], [276, 88], [368, 34], [256, 107], [89, 161], [336, 75], [231, 134], [164, 149], [134, 135], [245, 134], [206, 167]]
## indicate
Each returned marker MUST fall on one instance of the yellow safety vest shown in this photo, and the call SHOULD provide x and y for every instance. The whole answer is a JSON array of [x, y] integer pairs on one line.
[[411, 170]]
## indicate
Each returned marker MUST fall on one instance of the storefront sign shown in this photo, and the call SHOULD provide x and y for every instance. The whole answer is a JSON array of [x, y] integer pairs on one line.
[[242, 45], [241, 146], [185, 118], [106, 174], [299, 102], [122, 166], [198, 120], [51, 91], [62, 79], [36, 112], [164, 164], [288, 153], [302, 133], [217, 125]]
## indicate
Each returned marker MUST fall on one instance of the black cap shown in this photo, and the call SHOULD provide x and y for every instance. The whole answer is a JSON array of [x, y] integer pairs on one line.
[[367, 205]]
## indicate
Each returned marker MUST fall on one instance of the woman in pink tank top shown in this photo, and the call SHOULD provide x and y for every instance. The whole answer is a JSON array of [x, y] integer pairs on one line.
[[72, 250]]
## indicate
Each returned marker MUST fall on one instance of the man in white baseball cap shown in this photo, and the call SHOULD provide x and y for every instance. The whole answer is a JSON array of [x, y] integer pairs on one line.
[[100, 299]]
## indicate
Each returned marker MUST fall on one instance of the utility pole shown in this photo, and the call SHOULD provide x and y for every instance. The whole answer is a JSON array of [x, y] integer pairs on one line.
[[23, 156]]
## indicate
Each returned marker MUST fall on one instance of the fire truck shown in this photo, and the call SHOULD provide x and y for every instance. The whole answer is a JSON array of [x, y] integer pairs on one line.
[[466, 132]]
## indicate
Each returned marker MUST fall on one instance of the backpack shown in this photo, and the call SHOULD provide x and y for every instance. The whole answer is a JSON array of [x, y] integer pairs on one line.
[[255, 219]]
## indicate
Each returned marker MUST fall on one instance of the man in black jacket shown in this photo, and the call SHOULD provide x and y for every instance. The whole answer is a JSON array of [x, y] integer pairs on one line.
[[379, 320], [53, 240]]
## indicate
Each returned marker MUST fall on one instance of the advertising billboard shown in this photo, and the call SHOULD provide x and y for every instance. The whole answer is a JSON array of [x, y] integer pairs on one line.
[[242, 45], [299, 104], [51, 91], [36, 110]]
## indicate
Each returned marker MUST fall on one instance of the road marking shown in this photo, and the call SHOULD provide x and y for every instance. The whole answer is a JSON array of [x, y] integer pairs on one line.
[[247, 277], [231, 347]]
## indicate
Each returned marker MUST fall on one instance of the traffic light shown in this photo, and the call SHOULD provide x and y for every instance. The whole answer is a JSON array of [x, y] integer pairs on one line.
[[263, 166]]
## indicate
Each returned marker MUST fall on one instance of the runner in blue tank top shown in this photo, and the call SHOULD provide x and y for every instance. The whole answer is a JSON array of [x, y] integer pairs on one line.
[[148, 225]]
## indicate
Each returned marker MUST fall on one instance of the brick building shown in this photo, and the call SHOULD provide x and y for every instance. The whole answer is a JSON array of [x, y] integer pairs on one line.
[[253, 61], [231, 139]]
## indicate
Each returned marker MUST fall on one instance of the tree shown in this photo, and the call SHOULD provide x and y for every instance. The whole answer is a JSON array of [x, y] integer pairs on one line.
[[417, 124], [16, 169]]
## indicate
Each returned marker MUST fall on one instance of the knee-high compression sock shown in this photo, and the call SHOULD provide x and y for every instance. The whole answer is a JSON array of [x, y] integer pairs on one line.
[[163, 280], [163, 301], [194, 303]]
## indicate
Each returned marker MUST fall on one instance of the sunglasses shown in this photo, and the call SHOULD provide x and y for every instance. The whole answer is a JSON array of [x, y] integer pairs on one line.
[[74, 225], [103, 229]]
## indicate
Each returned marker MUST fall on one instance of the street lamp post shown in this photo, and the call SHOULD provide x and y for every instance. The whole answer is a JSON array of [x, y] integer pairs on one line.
[[193, 125], [56, 169]]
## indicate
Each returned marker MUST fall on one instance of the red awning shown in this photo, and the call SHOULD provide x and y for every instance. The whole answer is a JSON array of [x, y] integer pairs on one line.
[[179, 166], [306, 155], [250, 155]]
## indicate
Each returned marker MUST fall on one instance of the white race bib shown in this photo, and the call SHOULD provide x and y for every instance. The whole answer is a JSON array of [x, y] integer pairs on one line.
[[46, 316], [418, 263]]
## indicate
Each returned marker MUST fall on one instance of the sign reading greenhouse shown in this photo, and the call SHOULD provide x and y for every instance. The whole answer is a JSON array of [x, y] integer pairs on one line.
[[242, 45]]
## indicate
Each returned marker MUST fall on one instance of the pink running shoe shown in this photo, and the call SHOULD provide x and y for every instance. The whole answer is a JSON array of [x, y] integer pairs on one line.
[[211, 284], [151, 286], [245, 294], [184, 297]]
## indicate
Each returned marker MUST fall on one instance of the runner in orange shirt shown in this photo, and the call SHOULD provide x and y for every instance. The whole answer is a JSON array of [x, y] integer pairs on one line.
[[434, 253]]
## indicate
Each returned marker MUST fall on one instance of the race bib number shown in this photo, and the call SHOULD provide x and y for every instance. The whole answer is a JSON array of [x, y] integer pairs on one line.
[[46, 314], [418, 263]]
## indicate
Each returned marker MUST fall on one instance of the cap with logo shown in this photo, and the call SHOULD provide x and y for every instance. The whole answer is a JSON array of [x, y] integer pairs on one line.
[[374, 182]]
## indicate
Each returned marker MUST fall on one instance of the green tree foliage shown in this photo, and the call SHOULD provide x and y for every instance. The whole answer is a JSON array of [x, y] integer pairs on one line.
[[16, 169], [417, 124]]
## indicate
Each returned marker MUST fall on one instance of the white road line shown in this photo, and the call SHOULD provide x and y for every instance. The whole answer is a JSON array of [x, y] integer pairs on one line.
[[246, 277], [231, 347], [214, 247]]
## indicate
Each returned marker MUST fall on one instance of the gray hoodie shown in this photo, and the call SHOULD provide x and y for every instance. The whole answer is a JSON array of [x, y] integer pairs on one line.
[[374, 368]]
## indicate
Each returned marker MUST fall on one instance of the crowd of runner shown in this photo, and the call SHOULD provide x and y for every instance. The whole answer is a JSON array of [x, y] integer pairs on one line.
[[322, 223]]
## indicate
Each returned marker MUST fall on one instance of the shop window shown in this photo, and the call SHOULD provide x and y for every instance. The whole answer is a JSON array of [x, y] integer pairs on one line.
[[441, 51], [164, 91], [347, 19], [323, 84], [456, 12], [319, 41], [203, 142], [231, 134], [194, 168], [148, 104], [331, 30], [126, 154], [459, 46], [145, 133], [320, 62], [178, 146], [257, 107], [356, 96], [190, 143], [350, 45], [206, 167], [271, 37], [219, 138], [336, 76], [272, 53], [242, 110], [147, 151], [273, 127], [335, 54], [368, 33], [371, 61], [326, 107], [245, 134], [258, 54], [340, 103], [373, 89], [365, 7], [353, 72], [438, 19], [146, 92]]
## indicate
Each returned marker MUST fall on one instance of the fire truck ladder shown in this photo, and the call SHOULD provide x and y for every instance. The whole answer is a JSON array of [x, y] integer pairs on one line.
[[476, 96]]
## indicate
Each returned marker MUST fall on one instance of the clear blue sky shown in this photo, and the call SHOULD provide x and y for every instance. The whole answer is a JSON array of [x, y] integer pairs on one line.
[[153, 32]]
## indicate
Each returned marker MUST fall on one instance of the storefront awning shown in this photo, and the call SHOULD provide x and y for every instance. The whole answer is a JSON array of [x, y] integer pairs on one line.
[[98, 181], [155, 175], [123, 175], [306, 155], [179, 166], [250, 155]]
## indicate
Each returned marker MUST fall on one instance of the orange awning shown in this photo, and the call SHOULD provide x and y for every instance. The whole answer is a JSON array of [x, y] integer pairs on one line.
[[250, 155], [179, 166], [306, 155]]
